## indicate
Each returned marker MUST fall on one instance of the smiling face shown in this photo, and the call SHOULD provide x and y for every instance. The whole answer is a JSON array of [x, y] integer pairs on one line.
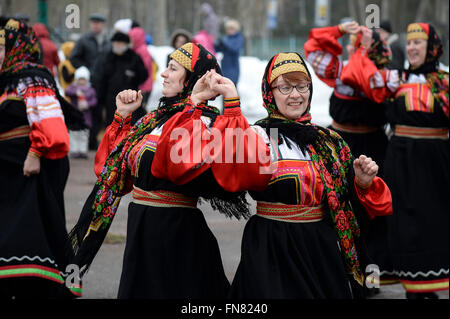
[[292, 105], [174, 77], [416, 49]]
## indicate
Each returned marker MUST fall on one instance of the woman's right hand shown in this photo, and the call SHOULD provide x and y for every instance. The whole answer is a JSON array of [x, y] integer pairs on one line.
[[128, 101], [202, 90], [351, 27], [222, 85]]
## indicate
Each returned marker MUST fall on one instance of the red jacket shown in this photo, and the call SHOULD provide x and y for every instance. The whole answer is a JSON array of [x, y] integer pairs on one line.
[[49, 48]]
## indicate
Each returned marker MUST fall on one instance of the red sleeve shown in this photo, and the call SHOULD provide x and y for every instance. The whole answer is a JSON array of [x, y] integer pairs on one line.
[[361, 74], [322, 51], [114, 134], [49, 135], [376, 198], [188, 147]]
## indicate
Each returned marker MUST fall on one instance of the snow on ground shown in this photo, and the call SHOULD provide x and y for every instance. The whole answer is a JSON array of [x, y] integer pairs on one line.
[[249, 88]]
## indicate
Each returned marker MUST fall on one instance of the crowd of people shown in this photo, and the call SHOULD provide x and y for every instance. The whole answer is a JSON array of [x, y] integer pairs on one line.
[[370, 189]]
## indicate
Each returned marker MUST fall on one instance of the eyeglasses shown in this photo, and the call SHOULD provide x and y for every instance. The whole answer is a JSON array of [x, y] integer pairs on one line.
[[287, 89]]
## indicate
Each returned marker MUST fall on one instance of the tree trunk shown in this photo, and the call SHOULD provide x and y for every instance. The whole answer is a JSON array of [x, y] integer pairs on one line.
[[159, 16]]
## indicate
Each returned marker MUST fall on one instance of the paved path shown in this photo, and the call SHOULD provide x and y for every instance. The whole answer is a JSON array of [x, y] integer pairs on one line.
[[102, 280]]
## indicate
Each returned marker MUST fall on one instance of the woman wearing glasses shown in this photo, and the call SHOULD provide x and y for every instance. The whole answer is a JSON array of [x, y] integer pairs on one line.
[[303, 241]]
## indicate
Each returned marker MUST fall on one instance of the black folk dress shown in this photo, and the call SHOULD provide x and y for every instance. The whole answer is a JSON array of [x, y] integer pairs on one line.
[[417, 172]]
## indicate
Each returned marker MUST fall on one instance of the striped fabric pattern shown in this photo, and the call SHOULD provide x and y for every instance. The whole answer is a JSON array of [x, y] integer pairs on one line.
[[21, 131], [308, 185], [418, 97], [289, 213], [162, 199]]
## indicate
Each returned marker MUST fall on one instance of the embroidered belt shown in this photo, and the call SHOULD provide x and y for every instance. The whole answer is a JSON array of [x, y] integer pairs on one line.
[[289, 213], [162, 199], [353, 128], [421, 132], [21, 131]]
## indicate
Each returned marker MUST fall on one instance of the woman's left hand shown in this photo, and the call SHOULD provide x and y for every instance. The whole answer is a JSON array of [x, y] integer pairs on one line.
[[365, 170], [31, 166], [202, 91]]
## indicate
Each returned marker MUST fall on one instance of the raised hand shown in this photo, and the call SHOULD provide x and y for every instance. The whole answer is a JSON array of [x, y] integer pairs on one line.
[[202, 91], [366, 39], [365, 170], [351, 27], [222, 85], [128, 101]]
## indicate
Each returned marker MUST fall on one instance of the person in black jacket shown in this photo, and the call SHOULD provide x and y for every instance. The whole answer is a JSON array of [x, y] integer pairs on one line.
[[87, 49], [117, 70], [392, 39]]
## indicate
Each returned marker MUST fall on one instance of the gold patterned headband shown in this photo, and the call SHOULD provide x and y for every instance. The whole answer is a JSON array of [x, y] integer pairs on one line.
[[186, 55], [416, 31], [286, 63], [2, 37]]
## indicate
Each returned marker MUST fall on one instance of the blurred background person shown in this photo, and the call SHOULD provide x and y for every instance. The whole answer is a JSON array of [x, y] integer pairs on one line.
[[207, 36], [177, 39], [83, 97], [231, 45], [87, 49], [66, 71], [392, 39], [117, 70], [138, 43], [49, 48]]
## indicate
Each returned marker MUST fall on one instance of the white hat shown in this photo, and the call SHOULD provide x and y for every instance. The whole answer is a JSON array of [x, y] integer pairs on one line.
[[82, 73], [123, 25]]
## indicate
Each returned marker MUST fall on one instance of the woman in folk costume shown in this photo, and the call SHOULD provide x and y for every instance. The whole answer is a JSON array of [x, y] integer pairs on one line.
[[355, 106], [416, 168], [290, 248], [170, 251], [357, 102], [34, 170], [304, 241]]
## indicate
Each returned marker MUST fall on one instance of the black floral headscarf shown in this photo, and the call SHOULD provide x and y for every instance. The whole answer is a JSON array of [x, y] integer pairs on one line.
[[100, 209], [437, 79], [329, 153]]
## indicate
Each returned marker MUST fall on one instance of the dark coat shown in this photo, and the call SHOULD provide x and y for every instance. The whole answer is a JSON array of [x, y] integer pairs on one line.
[[231, 46], [87, 51], [398, 53], [116, 73]]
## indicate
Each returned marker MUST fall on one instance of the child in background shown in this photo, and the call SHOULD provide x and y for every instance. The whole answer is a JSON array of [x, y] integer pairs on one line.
[[83, 97]]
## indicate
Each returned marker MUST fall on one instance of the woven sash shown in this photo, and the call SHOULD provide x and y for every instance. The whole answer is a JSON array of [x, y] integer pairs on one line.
[[421, 132], [289, 213], [21, 131], [353, 128], [162, 199]]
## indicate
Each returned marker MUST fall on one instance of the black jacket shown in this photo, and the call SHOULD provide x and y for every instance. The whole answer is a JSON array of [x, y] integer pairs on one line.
[[115, 73], [87, 50]]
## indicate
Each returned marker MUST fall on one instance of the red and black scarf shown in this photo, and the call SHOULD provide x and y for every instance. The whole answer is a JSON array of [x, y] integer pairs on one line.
[[332, 158], [437, 79], [100, 209]]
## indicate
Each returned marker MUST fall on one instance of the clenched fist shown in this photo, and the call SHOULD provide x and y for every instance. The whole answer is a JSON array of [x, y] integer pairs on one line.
[[365, 170], [128, 101]]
